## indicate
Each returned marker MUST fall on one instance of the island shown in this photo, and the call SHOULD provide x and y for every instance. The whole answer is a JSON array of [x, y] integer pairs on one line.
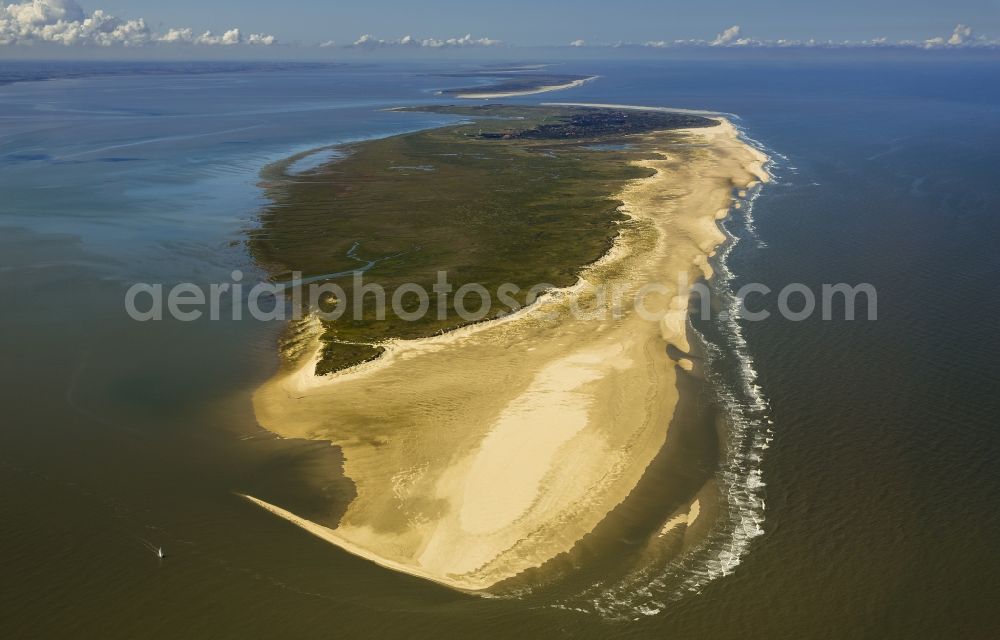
[[508, 83], [482, 450]]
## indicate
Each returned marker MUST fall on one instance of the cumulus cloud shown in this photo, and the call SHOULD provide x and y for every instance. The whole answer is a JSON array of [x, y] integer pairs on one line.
[[961, 37], [368, 41], [728, 37], [42, 13], [578, 43], [177, 36], [65, 22], [230, 37]]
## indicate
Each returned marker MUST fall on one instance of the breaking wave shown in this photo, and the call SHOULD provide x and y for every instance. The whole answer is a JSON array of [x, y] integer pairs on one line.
[[729, 369]]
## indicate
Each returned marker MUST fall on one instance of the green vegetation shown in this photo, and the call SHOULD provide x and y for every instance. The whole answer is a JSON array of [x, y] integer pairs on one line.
[[484, 209], [585, 123]]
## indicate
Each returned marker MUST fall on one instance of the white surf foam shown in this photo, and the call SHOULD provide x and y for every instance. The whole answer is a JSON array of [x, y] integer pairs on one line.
[[648, 590]]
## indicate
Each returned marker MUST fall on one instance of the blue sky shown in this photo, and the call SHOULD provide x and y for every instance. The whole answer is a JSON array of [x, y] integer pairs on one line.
[[135, 23], [534, 22]]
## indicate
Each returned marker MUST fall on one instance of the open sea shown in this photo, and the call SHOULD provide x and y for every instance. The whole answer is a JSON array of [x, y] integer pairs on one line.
[[862, 456]]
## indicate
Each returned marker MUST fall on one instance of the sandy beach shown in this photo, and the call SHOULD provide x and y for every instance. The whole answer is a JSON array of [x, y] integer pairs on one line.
[[486, 95], [489, 450]]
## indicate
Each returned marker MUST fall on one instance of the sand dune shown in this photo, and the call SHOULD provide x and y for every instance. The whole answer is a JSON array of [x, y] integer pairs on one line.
[[489, 450]]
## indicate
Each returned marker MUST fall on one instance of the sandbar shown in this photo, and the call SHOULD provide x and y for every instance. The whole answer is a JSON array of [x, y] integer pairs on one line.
[[487, 95], [488, 450]]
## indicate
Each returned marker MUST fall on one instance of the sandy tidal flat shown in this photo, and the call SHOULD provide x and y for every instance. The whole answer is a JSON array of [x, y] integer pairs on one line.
[[488, 95], [489, 450]]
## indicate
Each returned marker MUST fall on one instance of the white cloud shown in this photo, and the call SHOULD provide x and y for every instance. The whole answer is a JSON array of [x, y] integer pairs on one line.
[[234, 36], [465, 41], [961, 37], [178, 36], [230, 37], [39, 13], [727, 37], [65, 22], [328, 44], [368, 41], [261, 38]]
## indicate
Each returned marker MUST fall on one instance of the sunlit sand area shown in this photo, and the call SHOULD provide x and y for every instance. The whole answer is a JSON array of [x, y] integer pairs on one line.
[[489, 449], [519, 80], [494, 94]]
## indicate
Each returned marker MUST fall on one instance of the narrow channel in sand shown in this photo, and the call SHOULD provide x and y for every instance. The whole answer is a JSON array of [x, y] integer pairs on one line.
[[491, 449]]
